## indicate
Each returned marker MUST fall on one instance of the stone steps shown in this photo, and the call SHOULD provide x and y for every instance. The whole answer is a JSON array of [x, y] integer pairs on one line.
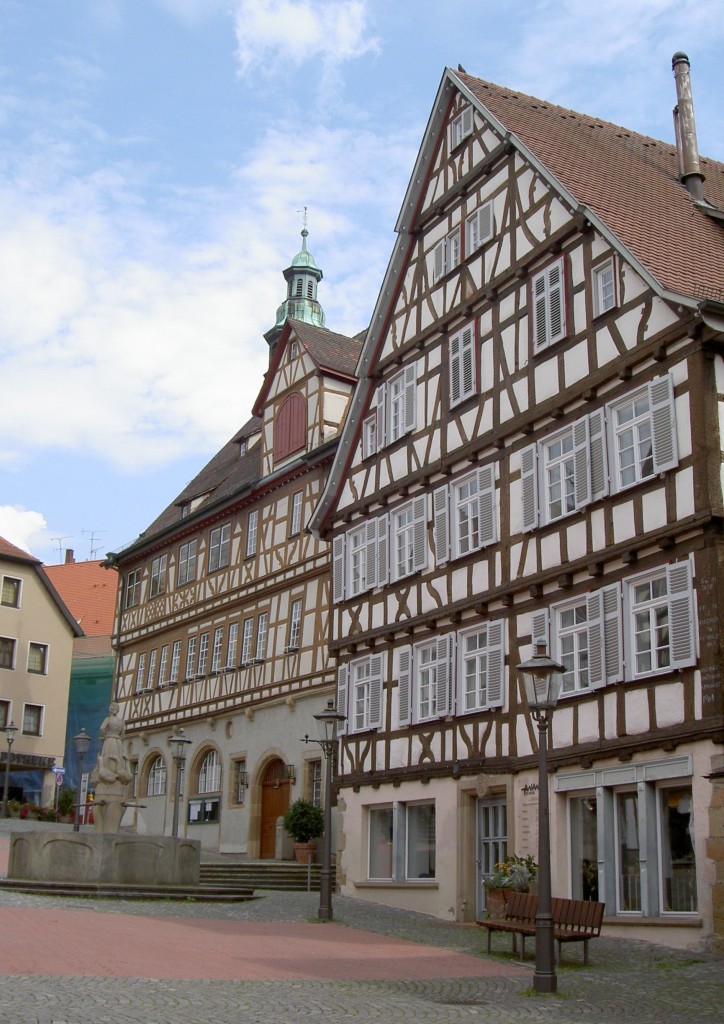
[[284, 875], [203, 892]]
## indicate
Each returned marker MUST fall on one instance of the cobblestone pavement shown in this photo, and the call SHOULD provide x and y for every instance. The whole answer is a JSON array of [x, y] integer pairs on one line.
[[626, 981]]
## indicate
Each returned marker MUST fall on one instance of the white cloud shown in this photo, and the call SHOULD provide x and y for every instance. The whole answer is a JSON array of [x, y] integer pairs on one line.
[[273, 33], [22, 527]]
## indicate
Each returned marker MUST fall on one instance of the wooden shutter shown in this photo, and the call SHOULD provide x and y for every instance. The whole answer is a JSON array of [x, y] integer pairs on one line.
[[383, 562], [486, 505], [438, 260], [496, 663], [556, 301], [480, 226], [370, 580], [410, 400], [463, 376], [342, 707], [375, 691], [380, 411], [455, 369], [540, 323], [529, 485], [665, 449], [597, 454], [681, 614], [404, 679], [613, 639], [338, 567], [419, 533], [441, 515], [466, 121], [582, 479], [539, 629], [596, 647], [445, 675]]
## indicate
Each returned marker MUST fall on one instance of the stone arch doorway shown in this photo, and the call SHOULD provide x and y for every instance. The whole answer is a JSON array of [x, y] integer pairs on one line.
[[275, 795]]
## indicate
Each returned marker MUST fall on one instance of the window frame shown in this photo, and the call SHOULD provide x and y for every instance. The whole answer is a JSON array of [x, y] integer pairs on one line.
[[549, 304], [461, 126], [393, 836], [40, 708], [295, 516], [262, 636], [209, 774], [216, 648], [186, 565], [462, 365], [247, 635], [681, 630], [401, 403], [219, 547], [157, 578], [6, 707], [156, 777], [490, 655], [191, 647], [203, 654], [348, 680], [479, 227], [603, 293], [11, 646], [252, 531], [232, 643], [661, 416], [175, 661], [294, 635], [412, 533], [134, 579], [140, 673], [14, 583]]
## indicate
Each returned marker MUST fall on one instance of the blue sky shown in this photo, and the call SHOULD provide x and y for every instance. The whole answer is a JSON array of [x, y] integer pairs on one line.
[[154, 159]]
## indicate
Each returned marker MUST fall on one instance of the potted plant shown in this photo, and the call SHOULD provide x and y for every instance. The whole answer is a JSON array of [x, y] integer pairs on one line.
[[66, 803], [304, 822], [513, 874]]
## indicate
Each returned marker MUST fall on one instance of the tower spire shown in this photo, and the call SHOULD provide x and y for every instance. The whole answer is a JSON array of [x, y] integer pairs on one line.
[[302, 277]]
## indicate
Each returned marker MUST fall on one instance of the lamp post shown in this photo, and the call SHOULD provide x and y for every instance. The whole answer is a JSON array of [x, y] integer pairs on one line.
[[328, 721], [9, 731], [82, 744], [178, 742], [542, 680]]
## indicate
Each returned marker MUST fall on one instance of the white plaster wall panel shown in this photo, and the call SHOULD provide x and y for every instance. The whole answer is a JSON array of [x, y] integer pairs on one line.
[[624, 526], [459, 586], [559, 215], [684, 482], [492, 748], [683, 425], [576, 540], [551, 552], [669, 703], [637, 712], [698, 695], [597, 519], [653, 507], [453, 436], [535, 225], [575, 360], [563, 726], [520, 390], [477, 151], [334, 408], [486, 420], [522, 737], [546, 378], [719, 374], [497, 256], [398, 747], [606, 349], [481, 577], [587, 722], [507, 310]]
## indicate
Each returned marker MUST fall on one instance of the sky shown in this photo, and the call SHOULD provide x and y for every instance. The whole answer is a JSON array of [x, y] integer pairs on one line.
[[155, 160]]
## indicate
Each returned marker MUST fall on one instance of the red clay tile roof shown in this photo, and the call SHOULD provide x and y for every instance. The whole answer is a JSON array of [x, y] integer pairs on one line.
[[330, 351], [630, 181], [89, 592], [8, 550]]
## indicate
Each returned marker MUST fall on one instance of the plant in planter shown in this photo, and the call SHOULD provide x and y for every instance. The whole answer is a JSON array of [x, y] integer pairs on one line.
[[514, 874], [304, 822], [66, 802]]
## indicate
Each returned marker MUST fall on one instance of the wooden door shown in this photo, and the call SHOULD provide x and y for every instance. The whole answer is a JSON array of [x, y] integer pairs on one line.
[[274, 801]]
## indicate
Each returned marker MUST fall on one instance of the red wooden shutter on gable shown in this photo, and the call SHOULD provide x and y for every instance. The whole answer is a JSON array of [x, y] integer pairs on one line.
[[290, 427]]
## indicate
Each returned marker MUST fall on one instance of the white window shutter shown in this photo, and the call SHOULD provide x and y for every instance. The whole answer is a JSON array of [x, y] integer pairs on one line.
[[375, 691], [539, 630], [404, 680], [496, 664], [665, 448], [486, 227], [596, 644], [441, 516], [455, 369], [581, 462], [486, 505], [370, 580], [338, 552], [557, 301], [444, 689], [342, 698], [453, 250], [613, 639], [410, 384], [419, 541], [467, 362], [438, 260], [381, 396], [529, 485], [597, 454], [539, 289], [466, 121], [383, 562], [681, 614]]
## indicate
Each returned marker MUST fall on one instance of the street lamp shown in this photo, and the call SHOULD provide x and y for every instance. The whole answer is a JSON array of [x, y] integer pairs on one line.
[[328, 722], [10, 731], [178, 741], [82, 744], [542, 681]]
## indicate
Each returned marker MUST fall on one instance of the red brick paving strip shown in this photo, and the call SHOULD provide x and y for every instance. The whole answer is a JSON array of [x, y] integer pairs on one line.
[[74, 943]]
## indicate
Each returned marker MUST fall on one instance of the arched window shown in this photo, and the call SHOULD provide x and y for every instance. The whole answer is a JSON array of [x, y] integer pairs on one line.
[[210, 773], [290, 426], [156, 778]]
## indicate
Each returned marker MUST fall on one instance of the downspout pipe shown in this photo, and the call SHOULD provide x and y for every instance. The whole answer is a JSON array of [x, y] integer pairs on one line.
[[685, 128]]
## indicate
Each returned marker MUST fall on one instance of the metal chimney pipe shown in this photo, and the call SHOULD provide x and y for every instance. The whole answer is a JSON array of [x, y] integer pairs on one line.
[[685, 128]]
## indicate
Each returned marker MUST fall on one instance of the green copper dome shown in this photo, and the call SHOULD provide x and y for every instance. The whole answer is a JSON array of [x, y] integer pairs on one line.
[[302, 277]]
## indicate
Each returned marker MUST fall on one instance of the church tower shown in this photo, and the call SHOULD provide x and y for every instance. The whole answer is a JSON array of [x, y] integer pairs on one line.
[[302, 277]]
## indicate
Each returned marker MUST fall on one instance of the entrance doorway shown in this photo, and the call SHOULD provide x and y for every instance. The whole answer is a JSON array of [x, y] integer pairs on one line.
[[492, 843], [275, 790]]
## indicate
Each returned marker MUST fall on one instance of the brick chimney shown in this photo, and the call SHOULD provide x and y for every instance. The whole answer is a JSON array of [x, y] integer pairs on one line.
[[69, 556]]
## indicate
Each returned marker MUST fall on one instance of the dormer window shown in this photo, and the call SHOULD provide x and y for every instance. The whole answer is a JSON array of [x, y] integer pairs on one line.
[[293, 350], [461, 127], [243, 447]]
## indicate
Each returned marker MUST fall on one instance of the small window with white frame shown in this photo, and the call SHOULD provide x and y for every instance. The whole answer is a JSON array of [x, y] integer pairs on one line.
[[369, 436], [10, 594], [359, 693], [401, 401], [156, 779], [252, 526], [175, 661], [216, 650], [246, 639], [186, 563], [239, 780], [481, 673], [643, 433], [295, 522], [231, 644], [462, 363], [141, 673], [446, 255], [262, 633], [461, 126], [219, 547], [548, 301], [295, 626], [191, 657], [479, 227], [157, 584], [203, 654], [660, 620], [33, 719], [409, 537], [38, 658], [133, 588], [163, 666], [151, 677], [604, 287]]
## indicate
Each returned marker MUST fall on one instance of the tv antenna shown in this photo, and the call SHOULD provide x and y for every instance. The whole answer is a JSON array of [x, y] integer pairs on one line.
[[94, 549], [59, 542]]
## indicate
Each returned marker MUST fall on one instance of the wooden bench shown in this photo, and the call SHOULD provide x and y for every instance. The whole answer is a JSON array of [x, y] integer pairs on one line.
[[573, 921]]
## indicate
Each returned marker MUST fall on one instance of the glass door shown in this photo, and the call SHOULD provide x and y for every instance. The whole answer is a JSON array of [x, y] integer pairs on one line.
[[492, 843]]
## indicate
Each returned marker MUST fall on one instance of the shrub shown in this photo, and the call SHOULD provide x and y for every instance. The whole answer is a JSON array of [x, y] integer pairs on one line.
[[304, 821]]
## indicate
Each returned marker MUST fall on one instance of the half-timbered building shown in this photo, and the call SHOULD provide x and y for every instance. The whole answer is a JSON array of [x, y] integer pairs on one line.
[[221, 628], [533, 453]]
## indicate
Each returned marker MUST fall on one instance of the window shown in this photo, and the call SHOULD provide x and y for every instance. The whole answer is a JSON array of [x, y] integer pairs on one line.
[[660, 620], [7, 652], [401, 404], [191, 657], [133, 588], [643, 433], [210, 773], [156, 785], [204, 811], [239, 780], [573, 646], [151, 678], [465, 515], [409, 537], [4, 713], [162, 680], [314, 781], [584, 848], [295, 522], [604, 287], [246, 637], [134, 779], [175, 661], [586, 638], [219, 543], [290, 426], [295, 625], [186, 563], [252, 524], [32, 719], [358, 554], [628, 848], [232, 644], [463, 372], [262, 628], [10, 594], [402, 842], [461, 126], [446, 255], [369, 436], [432, 678], [359, 558], [479, 227], [158, 576], [678, 860], [548, 300], [203, 654], [359, 693], [141, 673], [216, 651], [482, 660]]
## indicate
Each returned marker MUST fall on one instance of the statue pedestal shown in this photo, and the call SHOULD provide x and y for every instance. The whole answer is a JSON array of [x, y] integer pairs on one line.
[[102, 858]]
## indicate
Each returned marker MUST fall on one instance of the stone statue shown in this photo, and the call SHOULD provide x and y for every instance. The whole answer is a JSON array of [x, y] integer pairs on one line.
[[111, 775]]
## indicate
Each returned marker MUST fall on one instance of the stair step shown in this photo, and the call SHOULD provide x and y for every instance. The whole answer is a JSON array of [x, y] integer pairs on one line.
[[101, 890], [286, 876]]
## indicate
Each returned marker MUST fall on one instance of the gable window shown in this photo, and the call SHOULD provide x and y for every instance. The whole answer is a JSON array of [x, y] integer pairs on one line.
[[461, 126], [402, 393], [262, 629], [463, 375], [156, 785], [141, 673], [246, 638], [252, 524], [369, 436], [216, 650], [359, 693], [295, 523], [231, 645], [219, 547], [133, 588], [7, 652], [465, 516], [643, 433], [203, 653], [290, 426], [604, 287], [446, 255], [10, 596], [191, 657], [162, 680], [660, 620], [32, 719], [409, 530], [175, 661], [295, 626], [481, 675], [548, 296], [186, 563], [358, 554], [158, 577], [479, 227]]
